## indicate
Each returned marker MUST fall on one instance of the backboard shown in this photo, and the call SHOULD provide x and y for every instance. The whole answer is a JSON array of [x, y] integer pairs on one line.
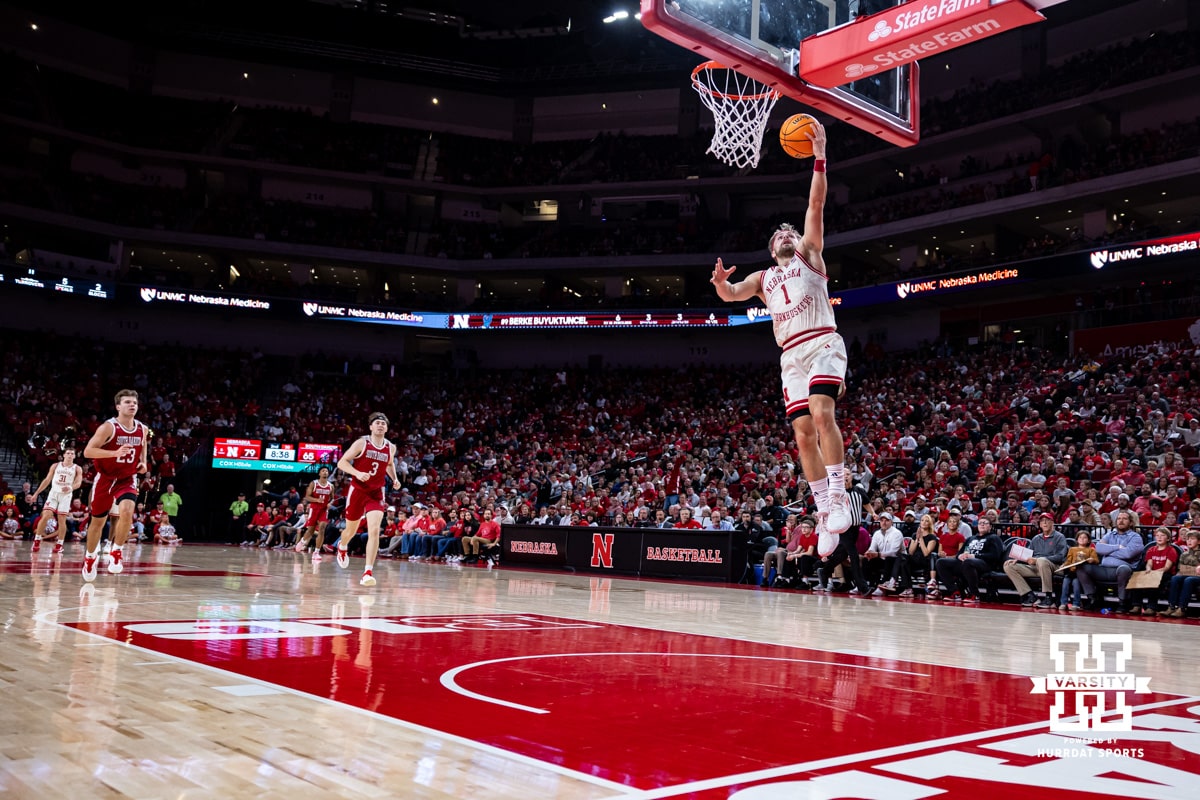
[[762, 39]]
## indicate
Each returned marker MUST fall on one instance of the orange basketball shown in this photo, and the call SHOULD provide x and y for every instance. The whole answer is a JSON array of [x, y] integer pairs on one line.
[[793, 136]]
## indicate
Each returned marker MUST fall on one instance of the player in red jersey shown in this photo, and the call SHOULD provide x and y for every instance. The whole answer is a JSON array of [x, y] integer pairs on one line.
[[369, 462], [318, 495], [118, 450]]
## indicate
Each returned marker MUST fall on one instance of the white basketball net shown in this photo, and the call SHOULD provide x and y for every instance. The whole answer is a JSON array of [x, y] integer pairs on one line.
[[740, 106]]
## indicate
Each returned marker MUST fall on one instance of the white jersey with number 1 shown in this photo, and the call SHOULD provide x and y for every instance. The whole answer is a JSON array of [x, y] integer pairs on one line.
[[798, 298]]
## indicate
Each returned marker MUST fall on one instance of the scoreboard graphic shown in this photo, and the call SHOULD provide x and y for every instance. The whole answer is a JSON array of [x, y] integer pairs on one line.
[[238, 449], [253, 454]]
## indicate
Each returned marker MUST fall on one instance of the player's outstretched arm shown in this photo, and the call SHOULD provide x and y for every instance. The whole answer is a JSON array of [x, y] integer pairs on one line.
[[734, 292], [45, 482], [814, 220], [391, 468]]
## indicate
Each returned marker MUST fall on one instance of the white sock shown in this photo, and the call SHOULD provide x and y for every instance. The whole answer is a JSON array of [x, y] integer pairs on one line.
[[93, 553], [820, 490], [837, 478]]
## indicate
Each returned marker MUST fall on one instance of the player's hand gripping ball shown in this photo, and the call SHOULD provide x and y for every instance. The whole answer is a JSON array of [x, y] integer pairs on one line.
[[794, 136]]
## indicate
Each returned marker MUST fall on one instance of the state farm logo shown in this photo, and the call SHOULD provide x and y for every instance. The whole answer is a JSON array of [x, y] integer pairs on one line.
[[309, 309], [902, 289], [147, 295], [882, 31], [1099, 258], [858, 70]]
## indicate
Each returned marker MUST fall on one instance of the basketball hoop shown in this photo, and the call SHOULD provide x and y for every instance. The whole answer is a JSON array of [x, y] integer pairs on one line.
[[740, 106]]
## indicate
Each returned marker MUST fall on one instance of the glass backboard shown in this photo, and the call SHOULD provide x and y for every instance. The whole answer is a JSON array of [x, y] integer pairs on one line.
[[762, 39]]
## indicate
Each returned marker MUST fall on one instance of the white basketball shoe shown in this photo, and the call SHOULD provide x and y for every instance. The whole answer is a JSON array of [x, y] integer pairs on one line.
[[827, 541], [839, 513]]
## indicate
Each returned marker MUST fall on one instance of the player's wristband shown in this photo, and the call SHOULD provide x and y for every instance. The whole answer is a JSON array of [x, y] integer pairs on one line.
[[819, 165]]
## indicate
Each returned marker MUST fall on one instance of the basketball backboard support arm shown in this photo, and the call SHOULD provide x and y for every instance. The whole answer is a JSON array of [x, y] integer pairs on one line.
[[860, 69]]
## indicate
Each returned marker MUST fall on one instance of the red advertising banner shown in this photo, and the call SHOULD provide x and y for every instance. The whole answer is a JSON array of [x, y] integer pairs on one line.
[[313, 453], [905, 34], [237, 448], [1120, 340]]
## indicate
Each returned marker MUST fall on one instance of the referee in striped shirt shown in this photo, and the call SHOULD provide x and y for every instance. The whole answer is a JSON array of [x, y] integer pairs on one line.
[[847, 549]]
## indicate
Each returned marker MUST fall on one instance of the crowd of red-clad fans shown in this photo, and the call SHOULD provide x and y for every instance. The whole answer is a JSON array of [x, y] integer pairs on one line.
[[929, 430]]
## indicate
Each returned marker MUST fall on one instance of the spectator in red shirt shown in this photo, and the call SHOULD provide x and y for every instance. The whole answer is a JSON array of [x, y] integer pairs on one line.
[[485, 541], [802, 552], [1162, 555], [259, 526]]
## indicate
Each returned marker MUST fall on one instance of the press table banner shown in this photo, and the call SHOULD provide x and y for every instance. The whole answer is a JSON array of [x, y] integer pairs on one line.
[[640, 551]]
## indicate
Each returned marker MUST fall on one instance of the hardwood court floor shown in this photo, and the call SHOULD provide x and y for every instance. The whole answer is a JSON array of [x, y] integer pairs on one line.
[[208, 671]]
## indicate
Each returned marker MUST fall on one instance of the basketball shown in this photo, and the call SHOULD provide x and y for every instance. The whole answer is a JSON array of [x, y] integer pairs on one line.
[[793, 136]]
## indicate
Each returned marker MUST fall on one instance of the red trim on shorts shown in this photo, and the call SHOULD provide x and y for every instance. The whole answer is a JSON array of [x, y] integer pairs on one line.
[[796, 406], [806, 336], [815, 379]]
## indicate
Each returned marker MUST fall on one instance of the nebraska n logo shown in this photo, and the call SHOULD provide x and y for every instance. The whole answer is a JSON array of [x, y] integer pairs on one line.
[[602, 544]]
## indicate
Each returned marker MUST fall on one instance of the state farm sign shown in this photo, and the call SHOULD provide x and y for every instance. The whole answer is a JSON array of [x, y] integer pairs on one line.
[[905, 34]]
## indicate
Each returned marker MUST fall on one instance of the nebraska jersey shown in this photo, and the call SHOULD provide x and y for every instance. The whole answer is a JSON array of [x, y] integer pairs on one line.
[[322, 493], [374, 461], [798, 298], [63, 480], [127, 465]]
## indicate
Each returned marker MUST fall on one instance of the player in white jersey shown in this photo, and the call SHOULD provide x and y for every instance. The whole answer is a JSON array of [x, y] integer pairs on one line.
[[62, 479], [813, 362]]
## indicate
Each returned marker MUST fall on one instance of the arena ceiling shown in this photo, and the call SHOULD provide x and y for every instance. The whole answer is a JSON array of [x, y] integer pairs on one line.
[[496, 46]]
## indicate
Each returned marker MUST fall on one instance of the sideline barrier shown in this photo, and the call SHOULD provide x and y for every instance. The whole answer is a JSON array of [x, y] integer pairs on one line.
[[639, 551]]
